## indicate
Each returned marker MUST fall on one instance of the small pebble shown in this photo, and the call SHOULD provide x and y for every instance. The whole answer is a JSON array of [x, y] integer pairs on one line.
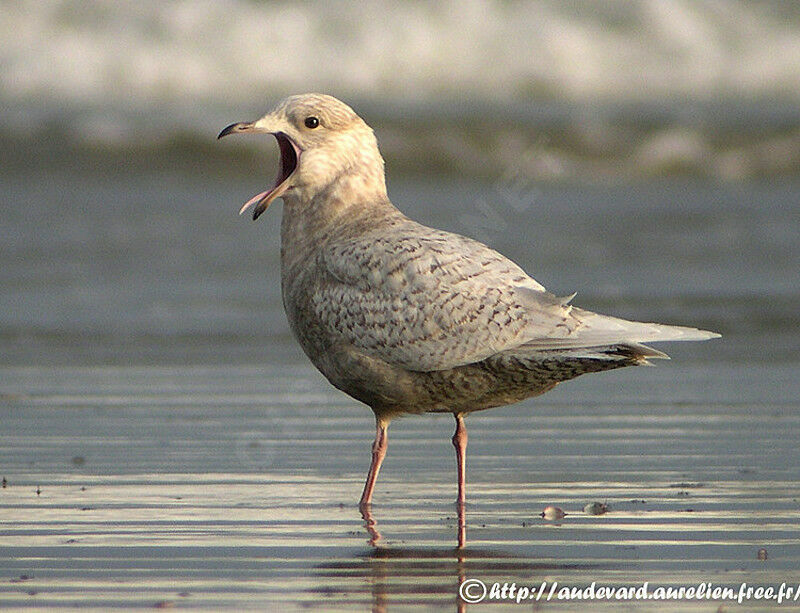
[[21, 579], [551, 512], [595, 508], [762, 554], [38, 490]]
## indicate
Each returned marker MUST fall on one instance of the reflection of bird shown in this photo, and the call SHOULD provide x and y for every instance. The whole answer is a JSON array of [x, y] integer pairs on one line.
[[406, 318]]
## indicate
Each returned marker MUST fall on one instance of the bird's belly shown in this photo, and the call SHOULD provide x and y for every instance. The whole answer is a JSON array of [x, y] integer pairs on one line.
[[394, 389]]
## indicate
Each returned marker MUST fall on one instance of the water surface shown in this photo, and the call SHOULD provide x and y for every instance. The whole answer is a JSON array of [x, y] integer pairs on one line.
[[165, 443]]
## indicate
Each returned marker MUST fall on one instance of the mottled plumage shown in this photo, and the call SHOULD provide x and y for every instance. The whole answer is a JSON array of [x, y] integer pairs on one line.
[[407, 318]]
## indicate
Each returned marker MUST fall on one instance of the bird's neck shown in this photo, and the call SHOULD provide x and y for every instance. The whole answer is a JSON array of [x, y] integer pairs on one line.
[[351, 202], [349, 196]]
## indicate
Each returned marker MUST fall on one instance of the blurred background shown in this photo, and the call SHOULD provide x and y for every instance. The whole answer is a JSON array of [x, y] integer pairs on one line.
[[644, 153]]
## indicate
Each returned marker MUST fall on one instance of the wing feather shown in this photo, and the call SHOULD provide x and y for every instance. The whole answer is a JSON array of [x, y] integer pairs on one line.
[[425, 299], [429, 300]]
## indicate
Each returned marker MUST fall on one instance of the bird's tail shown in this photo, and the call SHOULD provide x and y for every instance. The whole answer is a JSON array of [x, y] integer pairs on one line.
[[595, 326], [597, 333]]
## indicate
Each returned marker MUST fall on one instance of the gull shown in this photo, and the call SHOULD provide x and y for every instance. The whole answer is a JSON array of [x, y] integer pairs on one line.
[[406, 318]]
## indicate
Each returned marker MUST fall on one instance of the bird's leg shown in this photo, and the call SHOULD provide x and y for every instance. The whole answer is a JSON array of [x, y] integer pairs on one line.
[[378, 453], [460, 443]]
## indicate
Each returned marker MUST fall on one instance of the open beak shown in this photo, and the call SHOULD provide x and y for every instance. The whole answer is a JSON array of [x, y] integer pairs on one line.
[[290, 155]]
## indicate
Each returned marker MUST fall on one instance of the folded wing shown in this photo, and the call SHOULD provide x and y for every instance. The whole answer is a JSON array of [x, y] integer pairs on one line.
[[428, 300]]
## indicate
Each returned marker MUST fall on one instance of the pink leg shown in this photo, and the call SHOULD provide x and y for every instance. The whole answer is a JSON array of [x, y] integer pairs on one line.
[[370, 524], [378, 453], [460, 443]]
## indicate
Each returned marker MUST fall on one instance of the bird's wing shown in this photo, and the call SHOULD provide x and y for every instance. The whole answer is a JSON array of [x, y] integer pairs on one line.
[[430, 300]]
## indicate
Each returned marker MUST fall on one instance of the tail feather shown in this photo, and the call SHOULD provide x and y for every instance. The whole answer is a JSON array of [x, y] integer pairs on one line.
[[594, 325], [595, 330]]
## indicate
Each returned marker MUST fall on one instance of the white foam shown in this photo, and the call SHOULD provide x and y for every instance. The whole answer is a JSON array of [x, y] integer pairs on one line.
[[238, 52], [144, 72]]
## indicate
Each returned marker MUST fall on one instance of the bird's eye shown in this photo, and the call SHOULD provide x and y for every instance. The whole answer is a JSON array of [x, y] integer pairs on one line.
[[312, 122]]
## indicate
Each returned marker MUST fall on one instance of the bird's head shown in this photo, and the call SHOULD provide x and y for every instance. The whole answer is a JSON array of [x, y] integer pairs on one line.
[[323, 145]]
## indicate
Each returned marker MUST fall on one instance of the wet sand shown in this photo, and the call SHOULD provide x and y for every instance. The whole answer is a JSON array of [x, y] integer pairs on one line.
[[236, 487]]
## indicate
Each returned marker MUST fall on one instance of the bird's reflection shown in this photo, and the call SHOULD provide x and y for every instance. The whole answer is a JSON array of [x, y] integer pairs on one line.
[[384, 562], [415, 576], [388, 576], [430, 576], [371, 525]]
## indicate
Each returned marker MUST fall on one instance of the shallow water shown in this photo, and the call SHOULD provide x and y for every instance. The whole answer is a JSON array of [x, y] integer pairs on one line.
[[235, 487], [186, 454]]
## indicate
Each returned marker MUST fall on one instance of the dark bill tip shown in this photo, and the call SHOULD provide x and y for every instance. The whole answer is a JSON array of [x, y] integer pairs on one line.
[[260, 208], [242, 126]]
